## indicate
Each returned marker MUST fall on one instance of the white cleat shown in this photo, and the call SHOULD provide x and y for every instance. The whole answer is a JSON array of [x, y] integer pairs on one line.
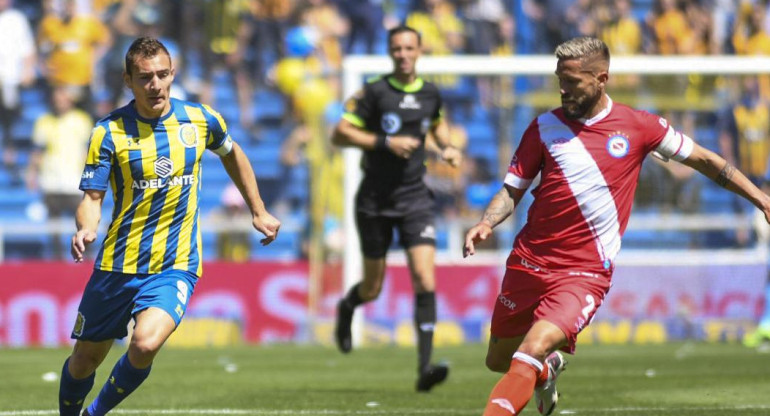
[[546, 395]]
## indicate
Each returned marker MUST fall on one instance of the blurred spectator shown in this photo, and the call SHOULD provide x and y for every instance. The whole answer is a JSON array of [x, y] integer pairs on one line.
[[723, 14], [128, 20], [672, 32], [483, 21], [366, 22], [442, 33], [441, 29], [446, 182], [581, 18], [17, 68], [233, 245], [71, 43], [744, 126], [219, 47], [622, 34], [61, 142], [327, 26], [751, 38], [264, 33]]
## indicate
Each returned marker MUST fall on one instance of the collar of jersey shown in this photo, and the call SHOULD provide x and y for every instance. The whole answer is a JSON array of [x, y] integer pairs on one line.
[[414, 86], [132, 106], [599, 117]]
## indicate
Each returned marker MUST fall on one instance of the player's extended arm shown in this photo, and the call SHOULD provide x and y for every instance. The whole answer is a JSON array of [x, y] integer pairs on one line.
[[87, 217], [716, 168], [348, 135], [240, 171], [501, 206], [449, 153]]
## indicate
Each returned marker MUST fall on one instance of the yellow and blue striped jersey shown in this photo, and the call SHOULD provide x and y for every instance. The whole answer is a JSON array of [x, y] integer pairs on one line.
[[154, 170]]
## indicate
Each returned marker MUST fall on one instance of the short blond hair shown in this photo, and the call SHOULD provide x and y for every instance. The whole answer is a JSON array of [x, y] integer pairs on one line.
[[582, 48]]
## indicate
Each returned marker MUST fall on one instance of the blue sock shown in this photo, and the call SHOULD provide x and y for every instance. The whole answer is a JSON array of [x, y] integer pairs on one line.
[[764, 321], [72, 391], [123, 380]]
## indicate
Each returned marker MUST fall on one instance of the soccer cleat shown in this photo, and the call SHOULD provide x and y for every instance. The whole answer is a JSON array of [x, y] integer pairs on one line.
[[433, 375], [546, 395], [757, 338], [342, 333]]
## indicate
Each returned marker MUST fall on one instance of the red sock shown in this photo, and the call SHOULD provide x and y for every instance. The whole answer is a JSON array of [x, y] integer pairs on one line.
[[513, 391]]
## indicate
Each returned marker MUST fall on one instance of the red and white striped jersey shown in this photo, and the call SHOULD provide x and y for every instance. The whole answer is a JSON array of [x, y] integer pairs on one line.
[[588, 175]]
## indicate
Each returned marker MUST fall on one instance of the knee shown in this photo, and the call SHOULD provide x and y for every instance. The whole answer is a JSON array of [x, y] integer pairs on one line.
[[537, 349], [497, 365], [82, 364], [369, 293], [145, 346]]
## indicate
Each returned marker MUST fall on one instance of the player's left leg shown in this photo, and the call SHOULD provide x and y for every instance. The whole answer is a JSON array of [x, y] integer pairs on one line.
[[159, 307], [527, 369], [421, 265]]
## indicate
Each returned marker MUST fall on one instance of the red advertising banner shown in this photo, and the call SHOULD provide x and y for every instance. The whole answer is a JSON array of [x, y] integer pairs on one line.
[[269, 302]]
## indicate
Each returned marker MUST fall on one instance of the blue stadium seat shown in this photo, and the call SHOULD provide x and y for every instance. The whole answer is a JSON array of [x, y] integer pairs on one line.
[[269, 106]]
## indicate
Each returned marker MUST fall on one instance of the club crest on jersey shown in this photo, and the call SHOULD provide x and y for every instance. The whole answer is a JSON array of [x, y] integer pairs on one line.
[[618, 145], [188, 135], [163, 167], [409, 103], [390, 123]]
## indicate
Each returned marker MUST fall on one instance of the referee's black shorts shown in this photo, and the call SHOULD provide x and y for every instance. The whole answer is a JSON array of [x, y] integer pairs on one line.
[[410, 210]]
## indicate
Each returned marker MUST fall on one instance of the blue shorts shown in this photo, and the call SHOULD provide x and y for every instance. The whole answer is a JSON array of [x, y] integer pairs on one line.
[[111, 299]]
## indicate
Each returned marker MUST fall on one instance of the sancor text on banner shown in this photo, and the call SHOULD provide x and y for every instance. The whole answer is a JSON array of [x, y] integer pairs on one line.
[[268, 302]]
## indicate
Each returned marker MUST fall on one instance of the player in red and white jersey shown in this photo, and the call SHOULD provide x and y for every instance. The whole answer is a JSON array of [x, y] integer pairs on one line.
[[588, 154]]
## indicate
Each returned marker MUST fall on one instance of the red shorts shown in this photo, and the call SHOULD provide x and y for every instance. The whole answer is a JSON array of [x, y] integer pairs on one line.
[[565, 298]]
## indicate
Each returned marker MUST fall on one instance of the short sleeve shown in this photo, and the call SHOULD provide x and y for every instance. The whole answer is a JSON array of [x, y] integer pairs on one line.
[[358, 108], [527, 160], [218, 139], [96, 174]]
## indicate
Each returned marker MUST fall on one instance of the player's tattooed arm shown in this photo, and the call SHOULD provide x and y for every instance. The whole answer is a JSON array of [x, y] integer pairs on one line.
[[725, 175], [499, 208]]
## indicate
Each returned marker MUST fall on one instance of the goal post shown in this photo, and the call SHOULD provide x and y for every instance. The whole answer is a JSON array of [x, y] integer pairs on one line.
[[356, 68]]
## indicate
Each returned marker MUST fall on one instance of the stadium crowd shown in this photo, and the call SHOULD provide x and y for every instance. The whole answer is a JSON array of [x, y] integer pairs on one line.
[[272, 67]]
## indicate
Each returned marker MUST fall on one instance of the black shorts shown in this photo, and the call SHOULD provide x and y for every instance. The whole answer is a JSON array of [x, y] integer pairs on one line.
[[376, 232], [410, 210]]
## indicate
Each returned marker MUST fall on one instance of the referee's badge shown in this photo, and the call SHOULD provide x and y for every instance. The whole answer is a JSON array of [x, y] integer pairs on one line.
[[188, 135], [390, 123]]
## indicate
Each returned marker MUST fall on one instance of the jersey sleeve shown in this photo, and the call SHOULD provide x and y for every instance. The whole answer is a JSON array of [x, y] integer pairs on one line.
[[667, 141], [96, 174], [527, 160], [359, 107], [218, 140]]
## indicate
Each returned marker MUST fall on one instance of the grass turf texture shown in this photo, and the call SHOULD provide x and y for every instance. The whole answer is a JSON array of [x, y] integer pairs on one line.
[[672, 379]]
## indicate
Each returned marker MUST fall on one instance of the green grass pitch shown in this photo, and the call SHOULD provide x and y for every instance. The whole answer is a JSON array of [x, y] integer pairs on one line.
[[672, 379]]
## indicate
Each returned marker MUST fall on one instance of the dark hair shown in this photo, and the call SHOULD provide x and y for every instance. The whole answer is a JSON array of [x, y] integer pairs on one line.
[[402, 29], [144, 47]]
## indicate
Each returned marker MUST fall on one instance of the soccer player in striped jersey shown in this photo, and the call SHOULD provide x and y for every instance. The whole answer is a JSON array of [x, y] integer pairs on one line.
[[588, 154], [149, 153]]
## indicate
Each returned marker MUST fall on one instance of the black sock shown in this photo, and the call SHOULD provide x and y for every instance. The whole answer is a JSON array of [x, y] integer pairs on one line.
[[353, 299], [424, 321]]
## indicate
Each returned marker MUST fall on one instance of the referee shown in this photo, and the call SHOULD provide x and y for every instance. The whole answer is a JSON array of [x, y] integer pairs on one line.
[[389, 120]]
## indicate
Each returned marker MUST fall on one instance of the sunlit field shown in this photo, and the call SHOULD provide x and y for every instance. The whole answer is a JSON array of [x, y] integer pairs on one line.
[[673, 379]]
